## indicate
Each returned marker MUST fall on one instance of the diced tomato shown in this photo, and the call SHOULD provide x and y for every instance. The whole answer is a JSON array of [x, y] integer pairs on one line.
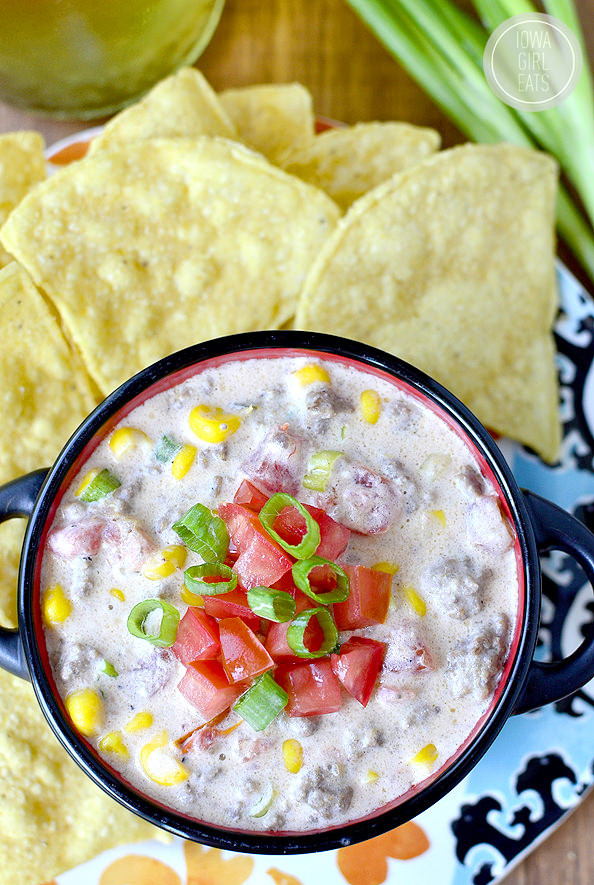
[[334, 537], [248, 495], [276, 639], [368, 600], [231, 605], [261, 562], [206, 687], [312, 687], [358, 665], [290, 525], [243, 655], [197, 637]]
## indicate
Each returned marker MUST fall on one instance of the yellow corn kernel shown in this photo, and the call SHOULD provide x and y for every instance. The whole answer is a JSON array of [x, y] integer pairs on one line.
[[126, 438], [416, 601], [140, 721], [164, 769], [310, 374], [191, 598], [86, 710], [183, 461], [211, 424], [115, 591], [56, 606], [371, 406], [113, 743], [164, 563], [426, 756], [292, 755], [371, 777], [175, 553], [439, 515], [87, 480], [389, 567]]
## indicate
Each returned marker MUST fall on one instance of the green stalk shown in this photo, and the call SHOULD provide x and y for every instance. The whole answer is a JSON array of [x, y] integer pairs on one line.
[[577, 111], [441, 47], [428, 69], [568, 129], [481, 96], [575, 231]]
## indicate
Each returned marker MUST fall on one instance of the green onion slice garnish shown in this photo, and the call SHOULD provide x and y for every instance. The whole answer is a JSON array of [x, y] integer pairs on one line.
[[262, 702], [296, 631], [262, 805], [108, 669], [301, 576], [274, 605], [100, 486], [195, 579], [311, 539], [167, 629], [204, 533], [166, 449], [319, 468]]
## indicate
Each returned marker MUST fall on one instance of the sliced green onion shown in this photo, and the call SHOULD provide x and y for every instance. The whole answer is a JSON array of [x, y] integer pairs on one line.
[[262, 805], [166, 449], [108, 669], [319, 468], [167, 629], [296, 631], [100, 486], [204, 533], [311, 539], [262, 702], [302, 571], [194, 579], [274, 605]]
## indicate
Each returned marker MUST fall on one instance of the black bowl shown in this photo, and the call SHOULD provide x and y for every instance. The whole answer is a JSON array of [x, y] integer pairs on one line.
[[525, 684]]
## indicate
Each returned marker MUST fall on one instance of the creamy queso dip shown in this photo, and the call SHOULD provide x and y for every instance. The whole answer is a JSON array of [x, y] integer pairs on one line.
[[415, 504]]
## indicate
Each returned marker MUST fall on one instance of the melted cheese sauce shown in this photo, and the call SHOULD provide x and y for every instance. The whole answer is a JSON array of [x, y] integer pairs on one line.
[[445, 533]]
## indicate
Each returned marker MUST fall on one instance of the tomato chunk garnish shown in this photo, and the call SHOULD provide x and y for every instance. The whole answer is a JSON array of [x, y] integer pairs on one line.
[[206, 687], [358, 664], [334, 537], [231, 605], [312, 687], [243, 655], [276, 639], [261, 562], [197, 637], [368, 600], [248, 495]]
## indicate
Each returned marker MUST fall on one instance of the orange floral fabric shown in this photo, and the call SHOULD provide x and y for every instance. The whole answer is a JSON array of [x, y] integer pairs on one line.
[[367, 862]]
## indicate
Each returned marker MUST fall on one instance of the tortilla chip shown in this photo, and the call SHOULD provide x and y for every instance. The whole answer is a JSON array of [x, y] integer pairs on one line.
[[271, 119], [181, 105], [168, 243], [348, 162], [44, 395], [22, 164], [449, 265], [52, 817]]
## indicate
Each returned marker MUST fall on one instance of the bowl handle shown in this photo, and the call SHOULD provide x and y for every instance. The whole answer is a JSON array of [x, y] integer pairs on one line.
[[549, 681], [17, 498]]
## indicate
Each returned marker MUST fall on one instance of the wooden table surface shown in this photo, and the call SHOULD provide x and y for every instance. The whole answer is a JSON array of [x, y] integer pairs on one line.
[[322, 44]]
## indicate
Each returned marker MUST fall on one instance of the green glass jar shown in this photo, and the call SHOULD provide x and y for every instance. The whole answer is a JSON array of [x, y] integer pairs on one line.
[[87, 58]]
